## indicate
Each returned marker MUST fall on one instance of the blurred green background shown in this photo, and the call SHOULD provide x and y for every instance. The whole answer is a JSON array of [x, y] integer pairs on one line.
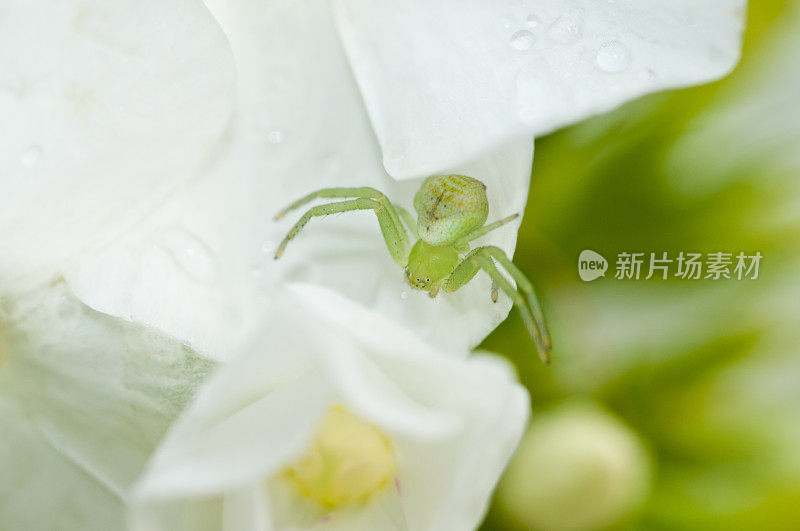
[[680, 396]]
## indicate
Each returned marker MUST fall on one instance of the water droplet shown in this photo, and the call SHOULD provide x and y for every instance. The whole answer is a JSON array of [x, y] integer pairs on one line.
[[522, 40], [268, 247], [275, 137], [256, 272], [567, 28], [404, 295], [30, 157], [190, 254], [532, 21], [613, 56]]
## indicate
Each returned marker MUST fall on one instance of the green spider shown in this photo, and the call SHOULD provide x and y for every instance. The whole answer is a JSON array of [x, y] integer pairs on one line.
[[452, 210]]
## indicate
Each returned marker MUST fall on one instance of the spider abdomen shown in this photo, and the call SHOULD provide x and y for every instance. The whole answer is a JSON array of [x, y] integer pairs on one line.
[[449, 207]]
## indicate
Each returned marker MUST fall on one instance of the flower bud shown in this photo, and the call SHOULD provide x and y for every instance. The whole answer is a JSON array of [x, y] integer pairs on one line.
[[578, 468]]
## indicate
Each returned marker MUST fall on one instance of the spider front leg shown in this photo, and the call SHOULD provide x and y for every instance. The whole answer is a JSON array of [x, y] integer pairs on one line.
[[408, 219], [477, 233], [393, 232], [481, 258]]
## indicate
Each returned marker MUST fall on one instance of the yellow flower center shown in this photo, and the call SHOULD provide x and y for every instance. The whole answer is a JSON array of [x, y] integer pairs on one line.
[[349, 461]]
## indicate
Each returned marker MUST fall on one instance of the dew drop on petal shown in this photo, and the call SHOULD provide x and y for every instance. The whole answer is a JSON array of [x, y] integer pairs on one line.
[[404, 295], [30, 157], [567, 28], [275, 137], [613, 56], [522, 40], [532, 21], [268, 247], [191, 254]]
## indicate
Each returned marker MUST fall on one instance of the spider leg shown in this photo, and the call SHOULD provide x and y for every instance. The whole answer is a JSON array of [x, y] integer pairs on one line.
[[481, 258], [361, 192], [408, 219], [393, 233], [524, 285], [463, 273], [331, 193], [477, 233]]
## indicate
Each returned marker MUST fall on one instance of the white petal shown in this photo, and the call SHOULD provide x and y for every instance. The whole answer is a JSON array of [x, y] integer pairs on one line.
[[453, 424], [754, 122], [444, 81], [200, 266], [384, 512], [84, 399], [103, 110], [446, 484], [250, 438], [246, 509]]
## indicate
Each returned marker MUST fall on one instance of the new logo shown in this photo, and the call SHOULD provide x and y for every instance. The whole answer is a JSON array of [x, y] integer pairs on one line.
[[591, 265]]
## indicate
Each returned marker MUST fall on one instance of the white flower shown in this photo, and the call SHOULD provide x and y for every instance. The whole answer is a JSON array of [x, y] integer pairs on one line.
[[108, 110], [84, 400], [167, 136], [445, 80], [338, 418], [104, 109]]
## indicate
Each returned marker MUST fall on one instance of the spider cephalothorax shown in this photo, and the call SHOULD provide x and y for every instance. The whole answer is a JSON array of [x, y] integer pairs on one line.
[[451, 212]]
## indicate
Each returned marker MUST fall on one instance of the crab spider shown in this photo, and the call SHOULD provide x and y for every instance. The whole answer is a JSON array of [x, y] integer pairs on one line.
[[451, 212]]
